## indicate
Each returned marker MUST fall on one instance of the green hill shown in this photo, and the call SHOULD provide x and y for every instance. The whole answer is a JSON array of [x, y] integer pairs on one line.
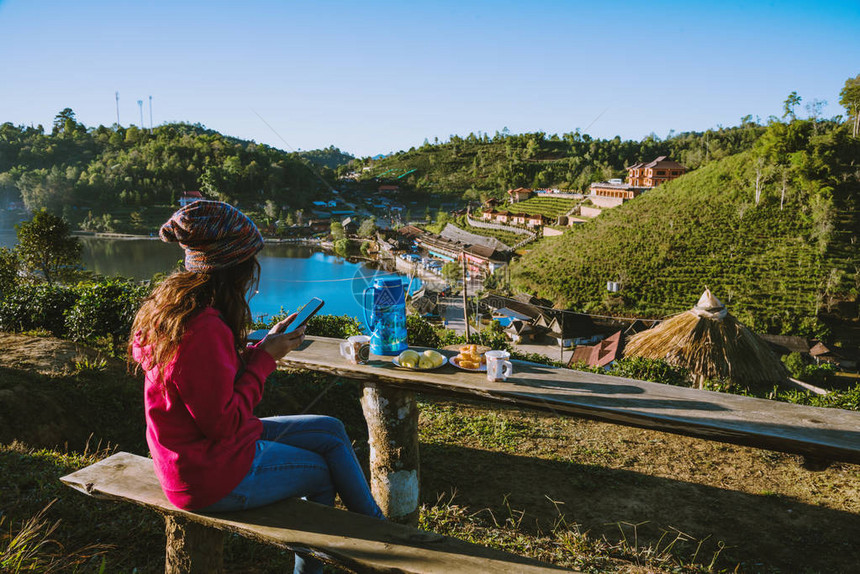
[[478, 165], [73, 169], [779, 268]]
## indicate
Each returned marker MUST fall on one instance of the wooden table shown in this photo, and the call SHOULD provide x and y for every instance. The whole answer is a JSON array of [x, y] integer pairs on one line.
[[389, 406]]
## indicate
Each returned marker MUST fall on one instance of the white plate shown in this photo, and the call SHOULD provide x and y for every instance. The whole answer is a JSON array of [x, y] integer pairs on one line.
[[481, 369], [397, 364]]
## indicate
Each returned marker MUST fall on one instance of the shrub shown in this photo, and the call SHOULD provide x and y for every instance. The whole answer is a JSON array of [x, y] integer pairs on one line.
[[40, 307], [641, 369], [103, 309], [9, 266], [337, 326], [800, 369], [654, 370], [420, 333]]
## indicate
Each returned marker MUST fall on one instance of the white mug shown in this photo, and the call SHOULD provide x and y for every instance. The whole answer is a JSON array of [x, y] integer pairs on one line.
[[498, 365], [356, 349]]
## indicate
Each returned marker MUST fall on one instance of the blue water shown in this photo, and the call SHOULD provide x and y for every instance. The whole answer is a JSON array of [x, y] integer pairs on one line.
[[290, 274]]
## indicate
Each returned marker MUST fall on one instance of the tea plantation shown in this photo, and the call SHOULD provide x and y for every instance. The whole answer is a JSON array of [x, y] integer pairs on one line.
[[778, 263]]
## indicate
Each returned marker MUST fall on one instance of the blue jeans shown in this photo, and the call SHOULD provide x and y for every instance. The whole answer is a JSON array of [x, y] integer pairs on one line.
[[307, 456]]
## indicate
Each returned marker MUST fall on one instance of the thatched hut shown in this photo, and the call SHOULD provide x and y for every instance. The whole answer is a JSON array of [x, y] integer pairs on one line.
[[711, 344]]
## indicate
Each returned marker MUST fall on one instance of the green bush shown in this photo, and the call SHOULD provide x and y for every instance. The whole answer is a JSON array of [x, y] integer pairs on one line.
[[9, 266], [848, 399], [800, 369], [420, 333], [106, 308], [641, 369], [337, 326], [37, 307]]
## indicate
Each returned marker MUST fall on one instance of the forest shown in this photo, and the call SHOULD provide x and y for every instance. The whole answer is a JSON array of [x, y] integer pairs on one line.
[[73, 170], [481, 166]]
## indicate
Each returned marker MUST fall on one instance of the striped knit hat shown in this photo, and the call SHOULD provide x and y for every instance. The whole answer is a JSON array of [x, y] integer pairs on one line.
[[213, 234]]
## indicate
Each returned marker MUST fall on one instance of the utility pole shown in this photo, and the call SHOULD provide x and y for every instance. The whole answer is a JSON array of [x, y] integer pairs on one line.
[[117, 109], [150, 114], [465, 300]]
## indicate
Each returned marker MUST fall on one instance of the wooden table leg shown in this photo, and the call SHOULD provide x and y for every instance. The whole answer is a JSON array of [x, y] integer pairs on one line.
[[193, 548], [392, 424]]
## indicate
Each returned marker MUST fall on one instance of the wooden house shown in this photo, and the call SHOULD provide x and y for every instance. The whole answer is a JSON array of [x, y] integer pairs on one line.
[[349, 226], [519, 194]]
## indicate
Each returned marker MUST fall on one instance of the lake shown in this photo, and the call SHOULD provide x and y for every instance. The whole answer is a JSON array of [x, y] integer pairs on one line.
[[291, 274]]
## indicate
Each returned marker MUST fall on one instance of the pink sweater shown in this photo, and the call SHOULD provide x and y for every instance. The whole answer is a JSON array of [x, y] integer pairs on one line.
[[200, 425]]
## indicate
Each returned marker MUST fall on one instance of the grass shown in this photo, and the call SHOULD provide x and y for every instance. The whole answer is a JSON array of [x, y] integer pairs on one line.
[[582, 494]]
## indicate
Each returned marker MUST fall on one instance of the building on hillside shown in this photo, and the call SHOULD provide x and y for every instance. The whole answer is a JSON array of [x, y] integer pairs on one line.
[[189, 197], [481, 259], [654, 173], [603, 354], [388, 188], [640, 178], [519, 194], [821, 353], [440, 247], [488, 214], [536, 220], [568, 328], [614, 191], [407, 236], [320, 225], [517, 218], [349, 226], [787, 344]]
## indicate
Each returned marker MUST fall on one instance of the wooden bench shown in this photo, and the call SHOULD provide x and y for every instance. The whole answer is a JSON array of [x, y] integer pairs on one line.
[[352, 541]]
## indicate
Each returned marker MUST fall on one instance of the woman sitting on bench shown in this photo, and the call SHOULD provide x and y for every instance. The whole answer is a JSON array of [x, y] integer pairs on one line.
[[202, 383]]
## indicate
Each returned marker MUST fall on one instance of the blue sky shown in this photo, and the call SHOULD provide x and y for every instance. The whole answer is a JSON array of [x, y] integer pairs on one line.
[[376, 76]]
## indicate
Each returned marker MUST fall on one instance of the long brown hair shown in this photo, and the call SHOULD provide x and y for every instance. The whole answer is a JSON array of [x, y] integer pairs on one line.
[[162, 319]]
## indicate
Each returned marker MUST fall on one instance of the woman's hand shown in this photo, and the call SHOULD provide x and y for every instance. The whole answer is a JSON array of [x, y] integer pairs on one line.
[[278, 343]]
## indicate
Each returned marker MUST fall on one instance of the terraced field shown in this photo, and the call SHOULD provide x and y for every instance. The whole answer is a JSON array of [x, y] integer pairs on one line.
[[550, 207], [508, 238]]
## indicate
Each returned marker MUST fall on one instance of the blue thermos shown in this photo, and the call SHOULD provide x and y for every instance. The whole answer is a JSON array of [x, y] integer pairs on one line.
[[385, 316]]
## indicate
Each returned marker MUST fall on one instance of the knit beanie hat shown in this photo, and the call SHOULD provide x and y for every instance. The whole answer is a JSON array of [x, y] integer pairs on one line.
[[213, 234]]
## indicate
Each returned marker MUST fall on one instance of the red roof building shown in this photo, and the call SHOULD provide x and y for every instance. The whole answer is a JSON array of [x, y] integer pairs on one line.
[[654, 173], [599, 355], [519, 194]]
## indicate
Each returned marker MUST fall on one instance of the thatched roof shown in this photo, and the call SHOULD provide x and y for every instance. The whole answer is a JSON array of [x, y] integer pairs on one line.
[[711, 344]]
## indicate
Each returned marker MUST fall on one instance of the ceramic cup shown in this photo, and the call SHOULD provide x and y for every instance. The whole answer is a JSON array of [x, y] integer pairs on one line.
[[356, 349], [499, 367]]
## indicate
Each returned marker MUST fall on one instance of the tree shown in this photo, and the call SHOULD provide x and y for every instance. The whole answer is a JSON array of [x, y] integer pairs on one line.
[[791, 102], [452, 272], [367, 227], [849, 98], [45, 246], [65, 122], [8, 270], [337, 231]]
